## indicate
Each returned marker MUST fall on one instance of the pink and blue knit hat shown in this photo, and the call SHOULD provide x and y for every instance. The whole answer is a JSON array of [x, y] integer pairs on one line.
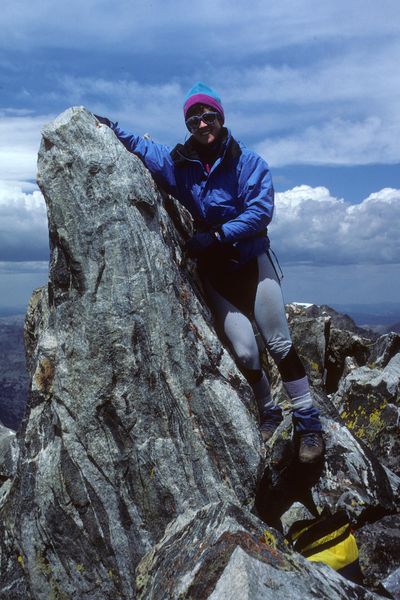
[[201, 93]]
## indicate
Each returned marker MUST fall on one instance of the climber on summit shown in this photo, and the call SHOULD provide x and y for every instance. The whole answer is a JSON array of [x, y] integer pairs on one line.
[[228, 190]]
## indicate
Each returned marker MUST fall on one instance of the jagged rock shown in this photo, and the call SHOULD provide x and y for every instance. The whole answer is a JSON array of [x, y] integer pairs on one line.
[[384, 349], [354, 479], [13, 581], [221, 552], [136, 411], [351, 479], [310, 336], [336, 319], [379, 550], [368, 401], [344, 345]]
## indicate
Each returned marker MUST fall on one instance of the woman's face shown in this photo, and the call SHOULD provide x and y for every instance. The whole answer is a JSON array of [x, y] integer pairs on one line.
[[206, 134]]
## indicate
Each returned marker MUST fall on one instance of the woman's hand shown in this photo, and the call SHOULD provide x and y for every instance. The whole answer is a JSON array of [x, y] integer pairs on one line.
[[200, 244], [103, 120]]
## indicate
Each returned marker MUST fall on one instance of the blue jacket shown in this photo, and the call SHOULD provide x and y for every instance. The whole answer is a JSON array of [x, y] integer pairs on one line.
[[236, 195]]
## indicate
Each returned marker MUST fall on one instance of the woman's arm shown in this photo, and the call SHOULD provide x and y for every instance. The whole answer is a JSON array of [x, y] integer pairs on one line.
[[156, 157], [256, 189]]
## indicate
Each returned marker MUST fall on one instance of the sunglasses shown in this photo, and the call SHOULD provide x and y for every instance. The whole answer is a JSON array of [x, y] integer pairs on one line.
[[193, 123]]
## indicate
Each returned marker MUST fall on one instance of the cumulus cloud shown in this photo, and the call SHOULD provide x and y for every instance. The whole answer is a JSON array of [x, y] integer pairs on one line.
[[312, 227], [23, 224]]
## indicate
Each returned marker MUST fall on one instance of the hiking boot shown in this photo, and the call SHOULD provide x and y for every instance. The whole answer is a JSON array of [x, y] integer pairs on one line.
[[267, 431], [311, 447]]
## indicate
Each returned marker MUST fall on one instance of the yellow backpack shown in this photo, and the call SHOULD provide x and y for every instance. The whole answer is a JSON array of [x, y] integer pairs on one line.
[[328, 539]]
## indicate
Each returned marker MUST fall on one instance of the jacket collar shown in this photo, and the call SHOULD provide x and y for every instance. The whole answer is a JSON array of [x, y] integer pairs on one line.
[[182, 153]]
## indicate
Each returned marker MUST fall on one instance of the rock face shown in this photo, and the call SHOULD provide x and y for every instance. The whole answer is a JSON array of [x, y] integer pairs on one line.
[[136, 414], [139, 456], [379, 545]]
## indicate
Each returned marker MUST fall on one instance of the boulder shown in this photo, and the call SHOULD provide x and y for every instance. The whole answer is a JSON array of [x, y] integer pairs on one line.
[[392, 584], [310, 337], [344, 345], [379, 550], [337, 319], [384, 349], [368, 400]]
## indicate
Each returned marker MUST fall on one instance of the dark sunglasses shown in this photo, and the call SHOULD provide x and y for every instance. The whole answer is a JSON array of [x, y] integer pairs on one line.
[[193, 123]]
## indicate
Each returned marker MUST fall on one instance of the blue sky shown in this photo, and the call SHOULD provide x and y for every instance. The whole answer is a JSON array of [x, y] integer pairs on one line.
[[312, 86]]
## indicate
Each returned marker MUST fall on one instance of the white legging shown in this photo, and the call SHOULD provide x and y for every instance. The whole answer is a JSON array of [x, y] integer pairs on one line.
[[269, 315]]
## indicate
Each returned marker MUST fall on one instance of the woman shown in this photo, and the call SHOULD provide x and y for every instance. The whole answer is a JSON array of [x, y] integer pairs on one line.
[[228, 190]]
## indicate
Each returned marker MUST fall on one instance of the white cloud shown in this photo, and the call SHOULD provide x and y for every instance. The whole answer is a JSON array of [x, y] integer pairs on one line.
[[341, 110], [19, 144], [23, 224], [310, 226]]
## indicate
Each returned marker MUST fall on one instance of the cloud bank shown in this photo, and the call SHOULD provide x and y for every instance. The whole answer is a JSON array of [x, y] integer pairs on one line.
[[309, 227]]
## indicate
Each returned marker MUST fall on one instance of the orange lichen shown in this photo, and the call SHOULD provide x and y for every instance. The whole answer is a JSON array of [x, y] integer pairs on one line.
[[44, 375]]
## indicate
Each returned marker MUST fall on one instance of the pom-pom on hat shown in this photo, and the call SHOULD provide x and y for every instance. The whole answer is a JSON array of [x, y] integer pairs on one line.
[[201, 93]]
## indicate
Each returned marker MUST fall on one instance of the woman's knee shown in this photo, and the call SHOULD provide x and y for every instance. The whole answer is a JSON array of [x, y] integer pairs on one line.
[[247, 356]]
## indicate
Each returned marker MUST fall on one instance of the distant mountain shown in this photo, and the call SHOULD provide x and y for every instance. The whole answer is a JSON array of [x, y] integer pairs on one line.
[[380, 317], [395, 327], [13, 375]]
